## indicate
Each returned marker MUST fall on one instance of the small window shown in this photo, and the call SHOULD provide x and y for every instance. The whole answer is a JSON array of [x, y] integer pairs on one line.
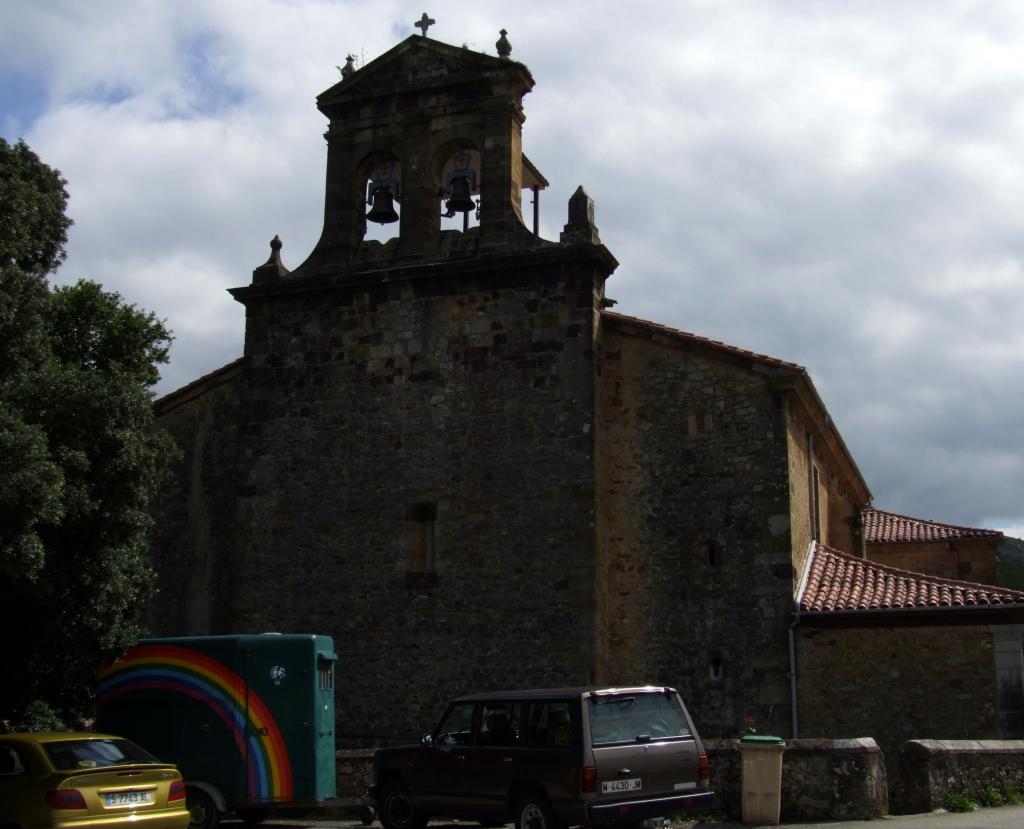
[[716, 669], [712, 553], [325, 674], [698, 422], [418, 543]]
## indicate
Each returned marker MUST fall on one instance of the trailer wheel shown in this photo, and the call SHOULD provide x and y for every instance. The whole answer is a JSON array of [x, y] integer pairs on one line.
[[395, 809], [202, 811]]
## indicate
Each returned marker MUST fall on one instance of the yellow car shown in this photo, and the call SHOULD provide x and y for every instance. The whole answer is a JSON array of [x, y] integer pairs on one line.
[[86, 781]]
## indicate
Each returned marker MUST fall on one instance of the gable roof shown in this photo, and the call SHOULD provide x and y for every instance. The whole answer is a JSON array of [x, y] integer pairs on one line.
[[882, 527], [837, 583], [785, 377], [218, 377]]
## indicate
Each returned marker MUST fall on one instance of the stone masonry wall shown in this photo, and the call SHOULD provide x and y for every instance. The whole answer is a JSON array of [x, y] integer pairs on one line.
[[930, 770], [694, 570], [192, 541], [969, 559], [821, 779], [799, 493], [456, 406], [895, 684]]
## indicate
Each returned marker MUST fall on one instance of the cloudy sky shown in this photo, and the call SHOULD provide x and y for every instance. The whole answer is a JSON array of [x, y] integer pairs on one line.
[[839, 183]]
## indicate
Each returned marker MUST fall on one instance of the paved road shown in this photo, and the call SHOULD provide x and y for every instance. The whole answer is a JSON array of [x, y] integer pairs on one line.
[[1004, 817]]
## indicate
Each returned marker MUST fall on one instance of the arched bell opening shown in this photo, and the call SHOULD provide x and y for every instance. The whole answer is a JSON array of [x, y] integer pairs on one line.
[[381, 197], [459, 186]]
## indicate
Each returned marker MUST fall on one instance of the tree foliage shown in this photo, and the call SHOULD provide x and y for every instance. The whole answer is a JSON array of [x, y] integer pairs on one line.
[[79, 459]]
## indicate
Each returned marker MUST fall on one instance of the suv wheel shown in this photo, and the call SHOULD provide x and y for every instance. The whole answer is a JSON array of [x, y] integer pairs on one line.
[[534, 812], [395, 809]]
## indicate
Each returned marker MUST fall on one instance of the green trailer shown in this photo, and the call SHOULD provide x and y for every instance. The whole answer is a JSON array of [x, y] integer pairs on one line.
[[248, 720]]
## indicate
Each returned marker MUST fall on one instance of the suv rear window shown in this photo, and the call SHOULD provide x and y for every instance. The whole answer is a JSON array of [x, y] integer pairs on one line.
[[635, 718]]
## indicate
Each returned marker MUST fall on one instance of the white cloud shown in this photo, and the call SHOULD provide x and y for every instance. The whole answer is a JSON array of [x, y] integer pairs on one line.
[[838, 184]]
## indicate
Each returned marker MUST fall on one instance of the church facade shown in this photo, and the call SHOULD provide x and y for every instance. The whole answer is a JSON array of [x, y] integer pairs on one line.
[[447, 452]]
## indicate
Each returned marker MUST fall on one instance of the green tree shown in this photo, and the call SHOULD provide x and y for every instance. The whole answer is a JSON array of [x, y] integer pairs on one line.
[[79, 457]]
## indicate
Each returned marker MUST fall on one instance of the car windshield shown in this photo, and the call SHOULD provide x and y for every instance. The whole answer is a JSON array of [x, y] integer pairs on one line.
[[91, 754], [630, 718]]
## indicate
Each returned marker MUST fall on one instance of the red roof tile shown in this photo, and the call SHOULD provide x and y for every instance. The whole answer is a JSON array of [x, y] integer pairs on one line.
[[835, 582], [675, 333], [889, 528]]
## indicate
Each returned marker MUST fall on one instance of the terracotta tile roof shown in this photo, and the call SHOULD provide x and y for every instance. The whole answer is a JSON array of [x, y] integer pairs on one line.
[[835, 582], [675, 333], [882, 527]]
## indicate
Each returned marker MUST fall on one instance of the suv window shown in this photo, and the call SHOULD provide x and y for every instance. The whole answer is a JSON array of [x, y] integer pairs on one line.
[[499, 724], [551, 725], [457, 726], [630, 718]]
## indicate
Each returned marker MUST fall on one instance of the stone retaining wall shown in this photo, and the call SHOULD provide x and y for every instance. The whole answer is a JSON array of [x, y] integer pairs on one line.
[[354, 771], [821, 779], [932, 769], [827, 779]]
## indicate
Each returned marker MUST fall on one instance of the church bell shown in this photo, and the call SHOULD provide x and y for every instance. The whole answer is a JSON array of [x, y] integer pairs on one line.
[[382, 211], [461, 200]]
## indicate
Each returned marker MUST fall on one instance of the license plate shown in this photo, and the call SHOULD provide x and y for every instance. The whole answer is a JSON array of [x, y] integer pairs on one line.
[[630, 784], [136, 798]]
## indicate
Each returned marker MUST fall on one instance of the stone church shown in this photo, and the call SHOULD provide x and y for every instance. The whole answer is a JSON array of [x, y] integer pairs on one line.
[[447, 452]]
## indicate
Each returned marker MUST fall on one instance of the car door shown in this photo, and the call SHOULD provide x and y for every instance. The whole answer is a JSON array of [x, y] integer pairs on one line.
[[493, 761], [550, 753], [438, 783]]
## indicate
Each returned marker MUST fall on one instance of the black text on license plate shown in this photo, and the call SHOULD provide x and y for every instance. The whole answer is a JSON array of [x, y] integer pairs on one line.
[[628, 785], [136, 798]]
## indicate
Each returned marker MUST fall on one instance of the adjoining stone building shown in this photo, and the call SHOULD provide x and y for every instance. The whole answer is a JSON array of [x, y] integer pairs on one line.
[[901, 655], [448, 453], [931, 547]]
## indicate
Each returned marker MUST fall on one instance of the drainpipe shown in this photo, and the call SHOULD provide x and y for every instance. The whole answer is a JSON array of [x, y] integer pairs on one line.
[[794, 715]]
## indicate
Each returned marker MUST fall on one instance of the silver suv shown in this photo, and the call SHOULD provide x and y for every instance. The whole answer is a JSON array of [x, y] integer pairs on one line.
[[549, 759]]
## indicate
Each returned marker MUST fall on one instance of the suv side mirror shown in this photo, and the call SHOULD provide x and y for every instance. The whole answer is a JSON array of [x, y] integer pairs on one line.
[[427, 740]]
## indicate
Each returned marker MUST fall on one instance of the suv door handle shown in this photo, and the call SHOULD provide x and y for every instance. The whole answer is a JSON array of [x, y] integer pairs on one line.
[[624, 771], [506, 759]]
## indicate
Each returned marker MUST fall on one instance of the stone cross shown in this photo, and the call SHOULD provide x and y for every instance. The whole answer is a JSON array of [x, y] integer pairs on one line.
[[425, 23]]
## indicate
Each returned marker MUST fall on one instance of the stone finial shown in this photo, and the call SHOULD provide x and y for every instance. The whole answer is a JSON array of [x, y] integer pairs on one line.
[[503, 46], [273, 269], [347, 71], [580, 227], [424, 23]]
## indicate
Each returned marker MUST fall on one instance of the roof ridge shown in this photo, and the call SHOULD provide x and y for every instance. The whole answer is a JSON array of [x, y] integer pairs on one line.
[[876, 519], [699, 338]]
